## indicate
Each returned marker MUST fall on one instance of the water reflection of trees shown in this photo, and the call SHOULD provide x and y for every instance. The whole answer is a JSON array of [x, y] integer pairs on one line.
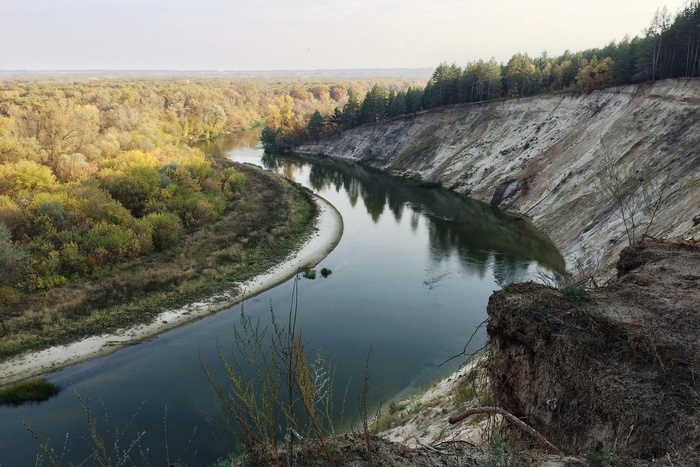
[[481, 237], [219, 147]]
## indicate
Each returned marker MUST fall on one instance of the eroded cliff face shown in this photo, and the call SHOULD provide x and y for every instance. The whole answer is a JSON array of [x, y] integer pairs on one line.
[[614, 369], [543, 157]]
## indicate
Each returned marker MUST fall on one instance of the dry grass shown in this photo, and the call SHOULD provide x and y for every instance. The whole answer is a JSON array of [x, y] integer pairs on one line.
[[261, 227]]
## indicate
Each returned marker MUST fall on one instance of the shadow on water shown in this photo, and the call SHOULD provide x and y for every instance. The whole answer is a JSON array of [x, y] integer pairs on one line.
[[481, 235]]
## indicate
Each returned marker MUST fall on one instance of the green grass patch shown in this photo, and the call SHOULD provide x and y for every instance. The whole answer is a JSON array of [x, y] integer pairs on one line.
[[575, 294], [310, 274], [603, 459], [38, 390], [465, 393], [427, 145]]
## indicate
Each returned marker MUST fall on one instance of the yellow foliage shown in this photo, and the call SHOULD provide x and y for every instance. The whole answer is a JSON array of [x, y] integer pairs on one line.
[[595, 74], [10, 213], [67, 202], [133, 158], [74, 167], [25, 176], [5, 124]]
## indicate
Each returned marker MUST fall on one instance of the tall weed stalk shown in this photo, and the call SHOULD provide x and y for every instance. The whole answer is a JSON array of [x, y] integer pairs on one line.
[[275, 394], [108, 449]]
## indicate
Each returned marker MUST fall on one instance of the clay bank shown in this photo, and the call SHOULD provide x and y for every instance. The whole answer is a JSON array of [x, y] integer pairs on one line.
[[546, 158]]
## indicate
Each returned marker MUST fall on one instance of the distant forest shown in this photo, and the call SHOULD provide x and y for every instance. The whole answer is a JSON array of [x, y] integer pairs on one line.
[[100, 171], [669, 48]]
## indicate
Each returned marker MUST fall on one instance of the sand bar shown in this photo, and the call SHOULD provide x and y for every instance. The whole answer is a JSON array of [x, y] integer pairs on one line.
[[329, 230]]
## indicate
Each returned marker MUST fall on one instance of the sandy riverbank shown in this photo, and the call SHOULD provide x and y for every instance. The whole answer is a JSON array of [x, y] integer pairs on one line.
[[329, 230]]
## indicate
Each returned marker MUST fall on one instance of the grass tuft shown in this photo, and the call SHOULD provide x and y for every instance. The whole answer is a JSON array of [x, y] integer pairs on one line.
[[310, 274], [603, 459], [38, 390], [575, 294]]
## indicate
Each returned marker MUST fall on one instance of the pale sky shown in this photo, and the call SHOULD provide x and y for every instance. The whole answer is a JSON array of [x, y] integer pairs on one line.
[[304, 34]]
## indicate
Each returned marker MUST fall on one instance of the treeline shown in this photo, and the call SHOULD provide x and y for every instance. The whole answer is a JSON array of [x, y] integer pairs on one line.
[[378, 104], [669, 48]]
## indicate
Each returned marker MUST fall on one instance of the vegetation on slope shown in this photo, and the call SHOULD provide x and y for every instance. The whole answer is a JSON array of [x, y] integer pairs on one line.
[[602, 371]]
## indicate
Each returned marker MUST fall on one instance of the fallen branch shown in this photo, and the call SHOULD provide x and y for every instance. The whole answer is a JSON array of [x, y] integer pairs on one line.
[[511, 418]]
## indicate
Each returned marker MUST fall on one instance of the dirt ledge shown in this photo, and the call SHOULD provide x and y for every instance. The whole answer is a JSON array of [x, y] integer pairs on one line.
[[617, 370]]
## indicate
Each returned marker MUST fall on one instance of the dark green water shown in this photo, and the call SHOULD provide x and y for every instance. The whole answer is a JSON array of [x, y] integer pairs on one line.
[[411, 279]]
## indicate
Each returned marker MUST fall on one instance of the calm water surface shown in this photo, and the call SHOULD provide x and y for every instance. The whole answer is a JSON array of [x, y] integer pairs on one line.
[[410, 281]]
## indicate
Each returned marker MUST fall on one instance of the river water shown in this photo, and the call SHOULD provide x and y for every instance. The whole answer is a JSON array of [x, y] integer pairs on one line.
[[410, 281]]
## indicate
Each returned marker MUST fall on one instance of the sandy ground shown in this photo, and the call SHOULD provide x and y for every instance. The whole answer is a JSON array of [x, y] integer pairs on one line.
[[424, 417], [329, 230]]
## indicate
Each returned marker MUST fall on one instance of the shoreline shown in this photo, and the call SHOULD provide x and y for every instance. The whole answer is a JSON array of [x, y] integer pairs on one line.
[[326, 236]]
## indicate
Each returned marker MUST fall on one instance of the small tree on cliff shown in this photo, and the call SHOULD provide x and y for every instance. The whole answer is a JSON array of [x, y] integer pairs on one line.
[[639, 195]]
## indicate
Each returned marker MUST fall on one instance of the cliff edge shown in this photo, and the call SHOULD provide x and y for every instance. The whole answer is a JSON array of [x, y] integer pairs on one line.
[[613, 369]]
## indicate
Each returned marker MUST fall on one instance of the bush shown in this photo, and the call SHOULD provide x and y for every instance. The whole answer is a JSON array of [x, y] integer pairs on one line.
[[11, 214], [109, 244], [233, 180], [13, 260], [166, 230], [310, 274], [55, 212], [9, 296], [575, 294], [134, 187], [285, 396], [72, 259], [45, 268], [26, 176], [97, 205], [603, 459]]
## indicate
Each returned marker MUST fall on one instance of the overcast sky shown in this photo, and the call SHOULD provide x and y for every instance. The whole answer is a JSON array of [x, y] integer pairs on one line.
[[304, 34]]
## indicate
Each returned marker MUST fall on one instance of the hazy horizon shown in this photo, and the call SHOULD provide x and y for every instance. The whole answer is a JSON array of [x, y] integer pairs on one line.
[[272, 35]]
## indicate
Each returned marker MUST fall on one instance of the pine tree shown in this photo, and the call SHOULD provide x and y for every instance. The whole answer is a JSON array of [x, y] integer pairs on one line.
[[315, 125]]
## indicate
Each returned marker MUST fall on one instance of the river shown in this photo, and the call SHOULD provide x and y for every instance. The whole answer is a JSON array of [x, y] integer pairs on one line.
[[410, 281]]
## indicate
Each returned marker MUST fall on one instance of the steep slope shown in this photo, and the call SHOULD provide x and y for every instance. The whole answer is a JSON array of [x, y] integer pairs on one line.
[[602, 371], [544, 157]]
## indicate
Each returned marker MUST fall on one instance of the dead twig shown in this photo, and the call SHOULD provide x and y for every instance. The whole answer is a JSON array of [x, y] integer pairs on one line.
[[511, 418], [428, 447], [464, 351]]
